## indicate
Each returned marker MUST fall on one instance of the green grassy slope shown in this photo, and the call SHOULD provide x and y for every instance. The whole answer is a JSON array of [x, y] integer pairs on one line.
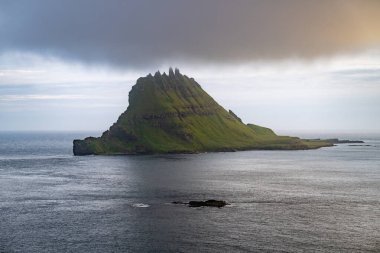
[[173, 114]]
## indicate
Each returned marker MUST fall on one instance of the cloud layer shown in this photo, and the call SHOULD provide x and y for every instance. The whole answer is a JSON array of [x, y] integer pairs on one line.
[[149, 33]]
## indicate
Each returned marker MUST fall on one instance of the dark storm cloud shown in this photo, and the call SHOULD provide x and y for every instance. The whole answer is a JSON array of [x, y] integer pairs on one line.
[[140, 33]]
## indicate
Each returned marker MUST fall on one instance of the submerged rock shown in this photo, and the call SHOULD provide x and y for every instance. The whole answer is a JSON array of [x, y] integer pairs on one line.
[[179, 203]]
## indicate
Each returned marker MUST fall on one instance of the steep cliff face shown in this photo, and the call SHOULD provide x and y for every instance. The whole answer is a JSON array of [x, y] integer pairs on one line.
[[173, 114]]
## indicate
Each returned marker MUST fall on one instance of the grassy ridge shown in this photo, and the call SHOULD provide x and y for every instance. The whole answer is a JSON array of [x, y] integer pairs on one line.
[[173, 114]]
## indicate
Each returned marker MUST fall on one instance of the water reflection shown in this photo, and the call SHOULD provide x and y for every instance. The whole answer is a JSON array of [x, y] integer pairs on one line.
[[323, 199]]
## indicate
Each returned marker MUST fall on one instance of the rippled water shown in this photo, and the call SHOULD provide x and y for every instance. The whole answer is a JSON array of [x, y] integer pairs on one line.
[[324, 200]]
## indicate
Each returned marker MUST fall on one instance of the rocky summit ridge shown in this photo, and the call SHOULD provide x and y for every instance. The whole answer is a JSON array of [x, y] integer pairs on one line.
[[171, 113]]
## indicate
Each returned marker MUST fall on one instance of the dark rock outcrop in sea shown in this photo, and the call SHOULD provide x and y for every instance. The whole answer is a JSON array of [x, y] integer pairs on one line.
[[198, 203], [210, 202]]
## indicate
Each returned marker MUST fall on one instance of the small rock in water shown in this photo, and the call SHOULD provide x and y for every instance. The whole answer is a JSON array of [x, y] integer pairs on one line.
[[210, 202]]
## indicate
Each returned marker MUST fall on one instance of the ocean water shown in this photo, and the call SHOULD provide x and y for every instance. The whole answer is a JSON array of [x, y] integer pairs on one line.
[[325, 200]]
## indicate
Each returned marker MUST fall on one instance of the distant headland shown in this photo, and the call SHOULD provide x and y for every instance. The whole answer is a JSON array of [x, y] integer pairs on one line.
[[171, 113]]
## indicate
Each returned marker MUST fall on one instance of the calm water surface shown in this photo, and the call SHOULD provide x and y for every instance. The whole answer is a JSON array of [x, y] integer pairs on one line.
[[325, 200]]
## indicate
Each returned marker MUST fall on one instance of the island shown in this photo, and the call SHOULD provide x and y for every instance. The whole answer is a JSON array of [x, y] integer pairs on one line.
[[171, 113]]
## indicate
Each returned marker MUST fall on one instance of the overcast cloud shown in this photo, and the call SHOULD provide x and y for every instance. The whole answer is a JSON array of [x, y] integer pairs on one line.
[[287, 64], [148, 32]]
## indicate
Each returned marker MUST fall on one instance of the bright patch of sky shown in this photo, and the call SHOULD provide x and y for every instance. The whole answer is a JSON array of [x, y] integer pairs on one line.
[[336, 94]]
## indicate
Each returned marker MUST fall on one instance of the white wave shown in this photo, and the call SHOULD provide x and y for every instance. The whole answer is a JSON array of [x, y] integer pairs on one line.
[[140, 205]]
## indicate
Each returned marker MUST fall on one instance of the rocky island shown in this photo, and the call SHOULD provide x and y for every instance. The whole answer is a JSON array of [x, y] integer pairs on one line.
[[171, 113]]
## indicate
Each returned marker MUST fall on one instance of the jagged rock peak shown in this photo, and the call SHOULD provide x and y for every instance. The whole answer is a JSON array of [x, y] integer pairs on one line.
[[157, 74], [171, 72]]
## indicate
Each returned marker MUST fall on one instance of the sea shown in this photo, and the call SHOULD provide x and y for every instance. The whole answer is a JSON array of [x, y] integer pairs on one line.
[[324, 200]]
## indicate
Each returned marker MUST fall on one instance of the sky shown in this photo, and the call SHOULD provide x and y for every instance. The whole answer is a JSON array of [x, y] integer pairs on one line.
[[291, 65]]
